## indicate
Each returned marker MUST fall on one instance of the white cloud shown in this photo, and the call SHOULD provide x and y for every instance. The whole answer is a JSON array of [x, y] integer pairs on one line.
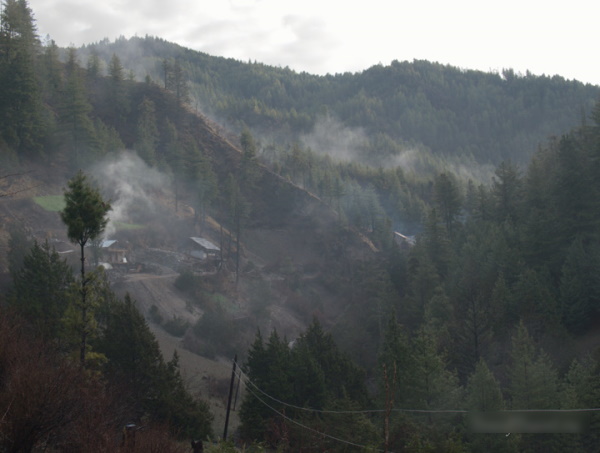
[[334, 36]]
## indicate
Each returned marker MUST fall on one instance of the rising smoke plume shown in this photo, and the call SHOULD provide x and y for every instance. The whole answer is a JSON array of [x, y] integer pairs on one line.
[[329, 136], [130, 184]]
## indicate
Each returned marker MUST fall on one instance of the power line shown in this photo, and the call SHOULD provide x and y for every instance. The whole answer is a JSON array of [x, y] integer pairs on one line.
[[247, 381], [281, 414], [241, 375], [423, 411], [315, 431]]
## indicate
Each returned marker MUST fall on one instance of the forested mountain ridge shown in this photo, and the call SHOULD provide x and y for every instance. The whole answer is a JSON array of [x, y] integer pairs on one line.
[[493, 306], [463, 115], [59, 117]]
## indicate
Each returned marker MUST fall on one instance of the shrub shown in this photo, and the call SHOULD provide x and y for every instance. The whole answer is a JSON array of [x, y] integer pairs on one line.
[[155, 315], [186, 281], [176, 326]]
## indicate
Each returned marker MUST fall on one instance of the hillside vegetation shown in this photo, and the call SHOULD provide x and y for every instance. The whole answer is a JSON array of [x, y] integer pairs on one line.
[[449, 113], [352, 334]]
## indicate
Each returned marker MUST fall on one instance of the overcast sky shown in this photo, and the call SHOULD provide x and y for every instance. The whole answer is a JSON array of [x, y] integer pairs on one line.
[[332, 36]]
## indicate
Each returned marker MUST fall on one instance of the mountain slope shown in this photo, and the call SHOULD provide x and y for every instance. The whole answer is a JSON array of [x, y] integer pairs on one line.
[[463, 114]]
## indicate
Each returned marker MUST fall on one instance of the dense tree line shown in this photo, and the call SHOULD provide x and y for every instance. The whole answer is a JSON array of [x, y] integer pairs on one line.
[[310, 373], [123, 359], [486, 117], [485, 312], [513, 270]]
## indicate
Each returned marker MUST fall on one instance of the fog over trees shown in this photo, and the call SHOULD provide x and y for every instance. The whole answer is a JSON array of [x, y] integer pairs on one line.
[[427, 236]]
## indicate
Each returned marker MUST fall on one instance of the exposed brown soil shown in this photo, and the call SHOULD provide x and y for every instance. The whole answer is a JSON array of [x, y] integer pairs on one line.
[[159, 291]]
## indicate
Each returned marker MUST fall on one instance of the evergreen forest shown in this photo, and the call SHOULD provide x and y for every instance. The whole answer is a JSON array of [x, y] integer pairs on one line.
[[409, 256]]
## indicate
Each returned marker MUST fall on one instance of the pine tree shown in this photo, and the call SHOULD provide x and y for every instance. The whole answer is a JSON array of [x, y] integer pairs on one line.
[[312, 373], [187, 416], [309, 379], [180, 84], [483, 390], [115, 70], [132, 352], [575, 192], [85, 216], [147, 131], [269, 371], [52, 73], [248, 173], [342, 377], [203, 184], [431, 385], [94, 66], [174, 157], [541, 241], [536, 303], [448, 200], [533, 378], [153, 388], [507, 192], [238, 213], [118, 96], [475, 313], [253, 413], [76, 126], [423, 279], [436, 243], [580, 286], [42, 289], [533, 385], [582, 390], [483, 396], [395, 359], [279, 378], [22, 124]]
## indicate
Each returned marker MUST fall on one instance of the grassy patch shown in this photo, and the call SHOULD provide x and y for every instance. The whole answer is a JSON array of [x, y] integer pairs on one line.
[[52, 203]]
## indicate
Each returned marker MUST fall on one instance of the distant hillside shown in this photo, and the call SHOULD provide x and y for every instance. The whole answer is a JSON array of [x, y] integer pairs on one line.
[[449, 112], [187, 179]]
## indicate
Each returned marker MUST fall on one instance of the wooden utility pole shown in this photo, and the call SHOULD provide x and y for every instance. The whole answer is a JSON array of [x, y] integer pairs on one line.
[[230, 396]]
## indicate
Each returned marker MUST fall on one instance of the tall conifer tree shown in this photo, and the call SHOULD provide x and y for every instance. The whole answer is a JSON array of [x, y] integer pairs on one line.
[[85, 216], [21, 120]]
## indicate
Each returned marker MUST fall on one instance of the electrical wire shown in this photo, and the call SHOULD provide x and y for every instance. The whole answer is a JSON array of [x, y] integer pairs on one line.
[[250, 385], [247, 381], [281, 414], [326, 411]]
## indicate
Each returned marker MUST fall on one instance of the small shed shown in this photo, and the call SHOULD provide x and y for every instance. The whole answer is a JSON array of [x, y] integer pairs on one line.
[[113, 253], [201, 249], [110, 252]]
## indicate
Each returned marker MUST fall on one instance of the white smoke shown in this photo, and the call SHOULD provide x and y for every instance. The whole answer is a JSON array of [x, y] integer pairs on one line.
[[130, 183], [407, 160], [329, 136]]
